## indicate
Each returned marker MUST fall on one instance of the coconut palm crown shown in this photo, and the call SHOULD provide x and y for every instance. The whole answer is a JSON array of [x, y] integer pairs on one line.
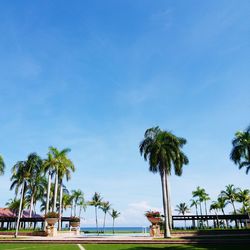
[[2, 165], [240, 153], [162, 150]]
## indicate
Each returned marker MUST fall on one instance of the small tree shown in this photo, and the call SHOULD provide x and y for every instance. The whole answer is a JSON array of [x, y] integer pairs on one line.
[[105, 207], [114, 214], [183, 208], [96, 202]]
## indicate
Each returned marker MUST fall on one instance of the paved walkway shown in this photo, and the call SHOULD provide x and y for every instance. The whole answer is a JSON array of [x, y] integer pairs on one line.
[[69, 238]]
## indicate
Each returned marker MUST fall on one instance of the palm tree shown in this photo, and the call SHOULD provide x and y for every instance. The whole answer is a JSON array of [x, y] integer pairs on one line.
[[67, 201], [215, 206], [2, 165], [63, 167], [195, 203], [244, 198], [163, 151], [201, 194], [240, 153], [64, 170], [203, 197], [50, 168], [34, 163], [21, 173], [231, 195], [13, 205], [105, 207], [77, 195], [82, 206], [182, 208], [96, 202], [114, 214], [222, 202]]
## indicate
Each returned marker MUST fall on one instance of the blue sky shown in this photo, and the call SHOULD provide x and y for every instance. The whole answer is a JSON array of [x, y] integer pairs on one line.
[[93, 75]]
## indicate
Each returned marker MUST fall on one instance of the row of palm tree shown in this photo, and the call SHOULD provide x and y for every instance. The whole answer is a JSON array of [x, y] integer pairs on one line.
[[29, 179], [231, 195], [163, 150], [105, 206]]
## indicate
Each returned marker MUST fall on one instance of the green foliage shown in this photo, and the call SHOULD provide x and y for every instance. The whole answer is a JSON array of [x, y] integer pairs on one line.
[[51, 215], [240, 153], [2, 165], [74, 219]]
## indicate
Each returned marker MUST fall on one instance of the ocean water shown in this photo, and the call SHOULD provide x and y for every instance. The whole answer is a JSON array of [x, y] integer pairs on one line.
[[117, 229]]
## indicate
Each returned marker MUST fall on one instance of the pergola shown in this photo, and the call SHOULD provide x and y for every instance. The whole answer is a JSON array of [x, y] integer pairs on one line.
[[8, 219], [215, 218]]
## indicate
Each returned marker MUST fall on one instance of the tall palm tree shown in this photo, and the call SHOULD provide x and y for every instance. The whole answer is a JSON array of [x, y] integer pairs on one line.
[[96, 202], [63, 171], [2, 165], [182, 208], [240, 153], [63, 167], [105, 207], [114, 214], [49, 168], [35, 164], [163, 151], [21, 173]]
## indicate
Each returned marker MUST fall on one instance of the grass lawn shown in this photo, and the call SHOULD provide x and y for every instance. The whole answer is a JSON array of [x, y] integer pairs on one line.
[[10, 246], [6, 246], [155, 247]]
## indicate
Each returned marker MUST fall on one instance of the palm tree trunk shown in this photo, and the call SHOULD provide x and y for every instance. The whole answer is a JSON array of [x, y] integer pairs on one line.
[[20, 210], [55, 191], [80, 211], [217, 219], [71, 209], [225, 219], [96, 221], [104, 220], [200, 208], [31, 205], [75, 208], [236, 222], [206, 211], [60, 206], [48, 193], [165, 205], [168, 202], [113, 226]]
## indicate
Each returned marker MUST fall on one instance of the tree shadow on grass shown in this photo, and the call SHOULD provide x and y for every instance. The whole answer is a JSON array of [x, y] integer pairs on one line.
[[167, 247], [189, 247]]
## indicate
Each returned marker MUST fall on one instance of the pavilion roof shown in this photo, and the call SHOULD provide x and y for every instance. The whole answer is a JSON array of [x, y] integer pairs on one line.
[[6, 212]]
